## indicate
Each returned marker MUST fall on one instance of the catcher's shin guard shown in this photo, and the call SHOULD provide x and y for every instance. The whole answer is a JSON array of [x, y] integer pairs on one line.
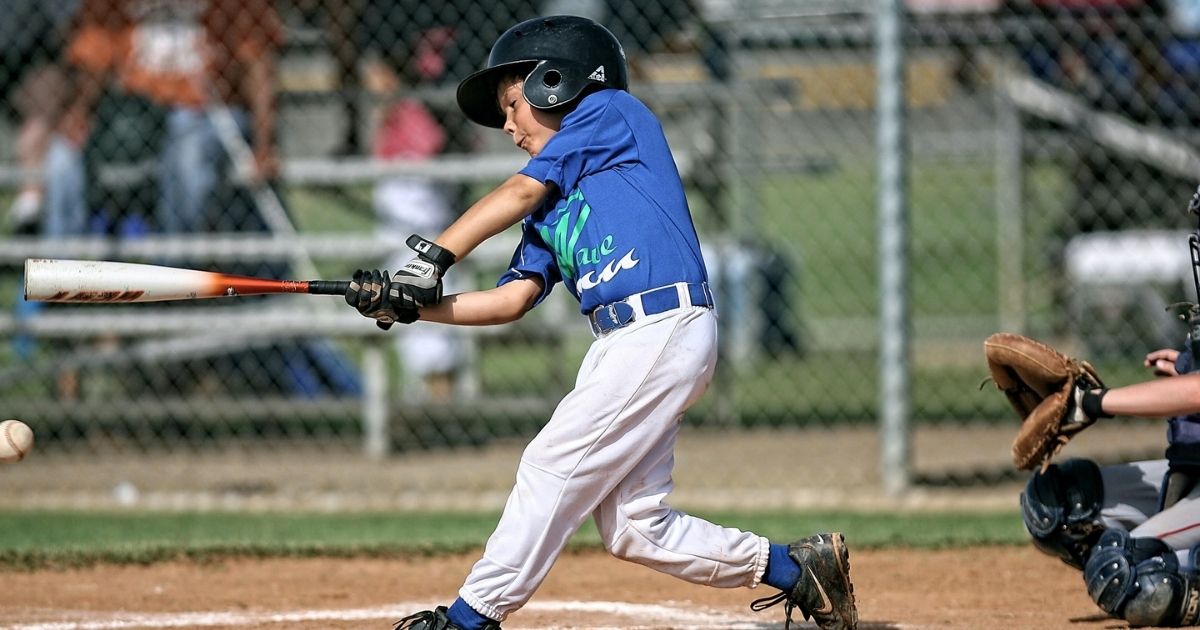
[[823, 592], [1061, 509], [1140, 581], [435, 619]]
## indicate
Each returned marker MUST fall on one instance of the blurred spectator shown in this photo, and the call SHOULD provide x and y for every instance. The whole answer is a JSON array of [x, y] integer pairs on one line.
[[431, 354], [1114, 55], [409, 57], [147, 73], [1107, 51], [32, 81], [1117, 55], [410, 44], [173, 90], [1180, 99]]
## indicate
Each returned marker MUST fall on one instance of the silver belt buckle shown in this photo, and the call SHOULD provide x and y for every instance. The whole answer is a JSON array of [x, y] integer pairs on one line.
[[611, 311], [612, 316]]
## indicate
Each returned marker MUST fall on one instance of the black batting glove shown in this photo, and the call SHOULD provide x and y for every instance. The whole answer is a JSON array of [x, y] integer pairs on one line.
[[368, 293], [419, 282]]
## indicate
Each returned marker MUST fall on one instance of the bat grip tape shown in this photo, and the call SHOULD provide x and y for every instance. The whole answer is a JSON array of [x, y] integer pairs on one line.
[[328, 287]]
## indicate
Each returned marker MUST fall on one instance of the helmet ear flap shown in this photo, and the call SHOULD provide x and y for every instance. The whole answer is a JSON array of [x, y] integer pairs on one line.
[[553, 83]]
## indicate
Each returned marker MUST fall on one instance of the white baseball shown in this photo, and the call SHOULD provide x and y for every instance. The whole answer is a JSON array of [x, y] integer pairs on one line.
[[16, 440]]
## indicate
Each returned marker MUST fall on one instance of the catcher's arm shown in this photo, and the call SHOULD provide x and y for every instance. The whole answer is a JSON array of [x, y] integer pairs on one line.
[[1174, 396]]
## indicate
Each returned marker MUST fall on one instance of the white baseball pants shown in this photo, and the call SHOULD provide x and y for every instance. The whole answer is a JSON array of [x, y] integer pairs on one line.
[[608, 451]]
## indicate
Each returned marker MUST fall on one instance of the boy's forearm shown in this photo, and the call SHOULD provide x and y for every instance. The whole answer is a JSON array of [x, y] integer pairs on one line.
[[495, 212], [484, 308], [460, 310]]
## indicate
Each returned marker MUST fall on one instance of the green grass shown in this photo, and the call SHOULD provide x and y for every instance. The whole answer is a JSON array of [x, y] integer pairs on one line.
[[829, 220], [37, 539]]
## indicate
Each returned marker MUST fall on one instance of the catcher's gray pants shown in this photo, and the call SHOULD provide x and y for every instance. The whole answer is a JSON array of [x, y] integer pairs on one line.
[[1131, 498], [608, 451]]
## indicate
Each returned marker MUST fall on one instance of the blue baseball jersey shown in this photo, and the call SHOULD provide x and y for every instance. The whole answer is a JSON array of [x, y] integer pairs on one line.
[[620, 223]]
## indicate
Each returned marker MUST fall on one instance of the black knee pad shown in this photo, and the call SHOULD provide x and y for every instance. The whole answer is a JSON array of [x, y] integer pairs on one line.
[[1140, 581], [1061, 509]]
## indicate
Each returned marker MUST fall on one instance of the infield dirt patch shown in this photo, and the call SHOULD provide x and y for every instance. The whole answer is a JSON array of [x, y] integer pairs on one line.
[[988, 588]]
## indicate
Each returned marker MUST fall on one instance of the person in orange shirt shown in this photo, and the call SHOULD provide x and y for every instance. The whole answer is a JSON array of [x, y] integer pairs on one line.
[[180, 61], [33, 91]]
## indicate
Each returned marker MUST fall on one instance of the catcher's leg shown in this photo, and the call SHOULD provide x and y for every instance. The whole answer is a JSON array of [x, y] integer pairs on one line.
[[1140, 580], [1061, 509]]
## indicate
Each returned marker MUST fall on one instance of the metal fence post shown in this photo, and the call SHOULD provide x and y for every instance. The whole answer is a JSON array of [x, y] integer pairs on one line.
[[894, 394], [375, 403], [1010, 229]]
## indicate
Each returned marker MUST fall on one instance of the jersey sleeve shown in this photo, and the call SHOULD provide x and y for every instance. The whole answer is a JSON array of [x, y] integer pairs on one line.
[[532, 259], [593, 138]]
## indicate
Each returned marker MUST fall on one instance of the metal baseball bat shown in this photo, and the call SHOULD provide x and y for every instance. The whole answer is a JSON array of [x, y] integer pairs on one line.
[[98, 281]]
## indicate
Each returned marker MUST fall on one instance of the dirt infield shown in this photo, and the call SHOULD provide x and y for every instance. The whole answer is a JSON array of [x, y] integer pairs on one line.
[[1000, 588], [991, 588]]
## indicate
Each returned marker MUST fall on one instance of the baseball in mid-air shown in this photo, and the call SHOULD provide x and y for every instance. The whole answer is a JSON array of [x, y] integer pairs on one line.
[[16, 440]]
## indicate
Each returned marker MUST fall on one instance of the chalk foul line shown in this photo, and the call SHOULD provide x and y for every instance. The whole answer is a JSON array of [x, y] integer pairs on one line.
[[575, 613]]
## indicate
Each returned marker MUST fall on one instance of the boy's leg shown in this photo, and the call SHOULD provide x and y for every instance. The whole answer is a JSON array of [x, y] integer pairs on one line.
[[637, 524], [633, 386]]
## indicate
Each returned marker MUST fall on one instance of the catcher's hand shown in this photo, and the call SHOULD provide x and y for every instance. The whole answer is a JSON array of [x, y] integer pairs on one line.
[[1046, 388]]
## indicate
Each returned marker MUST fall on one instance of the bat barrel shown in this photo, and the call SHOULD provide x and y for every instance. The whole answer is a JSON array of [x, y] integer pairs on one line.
[[56, 280], [49, 280]]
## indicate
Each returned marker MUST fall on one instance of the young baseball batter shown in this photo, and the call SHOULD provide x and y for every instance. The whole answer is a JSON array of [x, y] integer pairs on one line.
[[603, 212], [1133, 528]]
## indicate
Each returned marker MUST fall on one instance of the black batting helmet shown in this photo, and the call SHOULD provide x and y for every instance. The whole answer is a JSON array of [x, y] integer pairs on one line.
[[560, 56]]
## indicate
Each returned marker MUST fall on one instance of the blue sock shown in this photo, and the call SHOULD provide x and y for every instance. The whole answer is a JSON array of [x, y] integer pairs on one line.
[[465, 617], [782, 572]]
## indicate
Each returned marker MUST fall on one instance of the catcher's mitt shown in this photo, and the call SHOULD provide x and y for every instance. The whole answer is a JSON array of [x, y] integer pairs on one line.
[[1042, 384]]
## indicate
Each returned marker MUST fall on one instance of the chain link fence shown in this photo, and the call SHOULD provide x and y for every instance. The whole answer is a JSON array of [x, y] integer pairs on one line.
[[1051, 150]]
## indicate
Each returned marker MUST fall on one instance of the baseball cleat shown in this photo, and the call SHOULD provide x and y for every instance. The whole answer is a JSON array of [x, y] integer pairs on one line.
[[824, 592], [435, 619]]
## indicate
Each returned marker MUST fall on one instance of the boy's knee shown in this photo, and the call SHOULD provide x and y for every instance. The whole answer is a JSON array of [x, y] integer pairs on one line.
[[639, 533]]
